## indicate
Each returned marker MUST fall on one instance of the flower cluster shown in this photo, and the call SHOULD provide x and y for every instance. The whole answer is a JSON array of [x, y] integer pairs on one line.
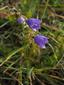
[[35, 24]]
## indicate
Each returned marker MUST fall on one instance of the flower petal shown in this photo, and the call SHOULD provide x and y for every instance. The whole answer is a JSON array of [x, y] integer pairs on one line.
[[33, 23], [20, 20], [41, 40]]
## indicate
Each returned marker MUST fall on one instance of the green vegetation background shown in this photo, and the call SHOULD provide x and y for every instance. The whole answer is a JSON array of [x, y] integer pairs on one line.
[[22, 62]]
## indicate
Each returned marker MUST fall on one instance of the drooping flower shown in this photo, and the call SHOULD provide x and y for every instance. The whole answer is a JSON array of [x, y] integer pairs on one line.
[[20, 20], [41, 40], [33, 23]]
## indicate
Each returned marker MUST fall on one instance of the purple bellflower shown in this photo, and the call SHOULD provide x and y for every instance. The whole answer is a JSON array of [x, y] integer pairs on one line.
[[20, 20], [41, 40], [33, 23]]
